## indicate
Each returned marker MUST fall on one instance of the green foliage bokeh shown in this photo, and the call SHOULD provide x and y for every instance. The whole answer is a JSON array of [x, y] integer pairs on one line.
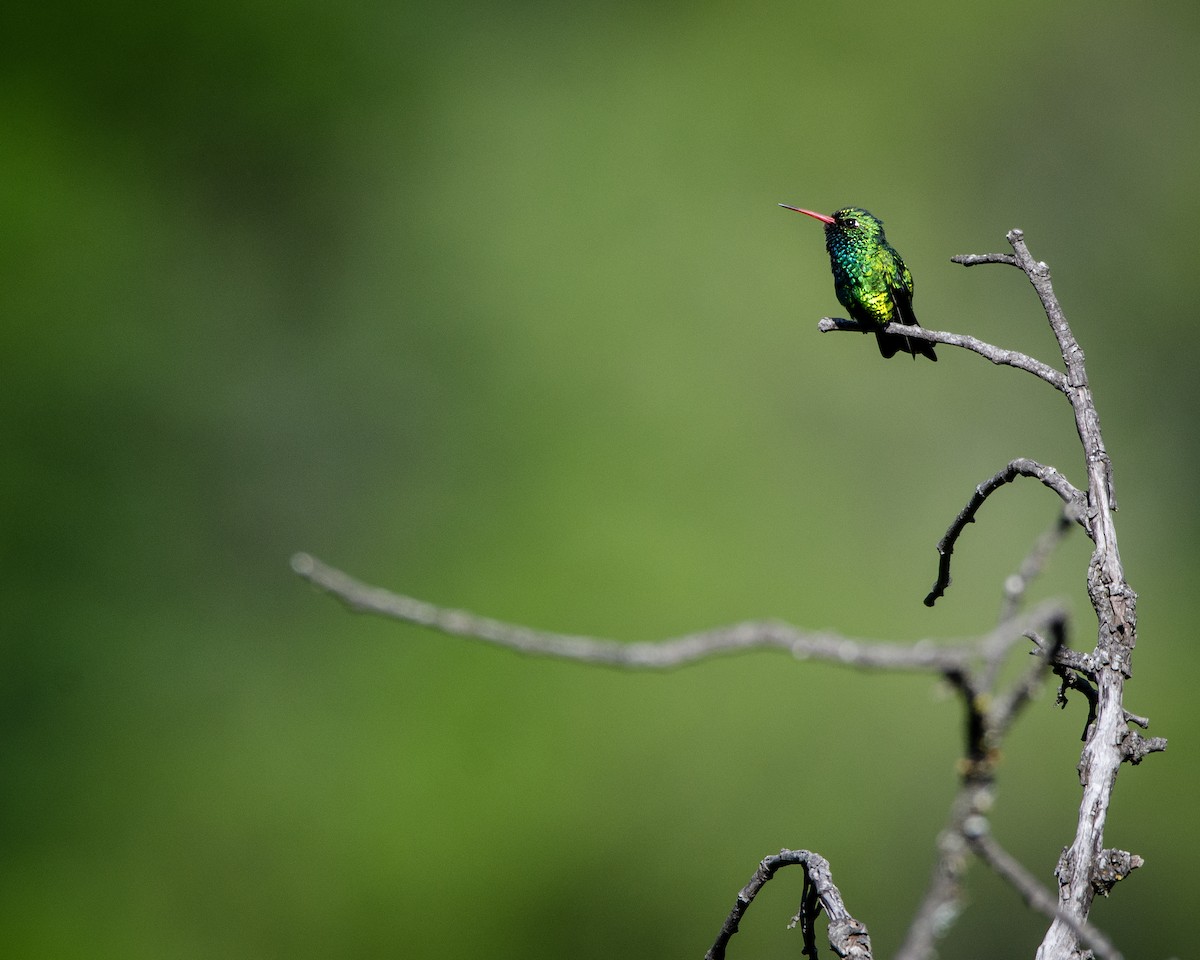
[[492, 304]]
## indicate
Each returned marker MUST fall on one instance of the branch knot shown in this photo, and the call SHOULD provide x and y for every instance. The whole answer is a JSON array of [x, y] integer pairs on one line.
[[1112, 867]]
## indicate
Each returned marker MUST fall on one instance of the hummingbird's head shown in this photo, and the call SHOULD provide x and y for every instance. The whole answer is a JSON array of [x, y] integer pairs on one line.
[[854, 224], [857, 224]]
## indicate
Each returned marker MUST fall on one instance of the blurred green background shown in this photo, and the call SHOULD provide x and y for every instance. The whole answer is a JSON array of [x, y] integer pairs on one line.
[[492, 304]]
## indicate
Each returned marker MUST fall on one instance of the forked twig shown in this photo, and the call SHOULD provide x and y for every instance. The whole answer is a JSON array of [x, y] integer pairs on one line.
[[848, 937]]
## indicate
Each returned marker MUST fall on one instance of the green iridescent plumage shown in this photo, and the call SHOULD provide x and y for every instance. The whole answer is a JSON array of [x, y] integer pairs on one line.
[[870, 278]]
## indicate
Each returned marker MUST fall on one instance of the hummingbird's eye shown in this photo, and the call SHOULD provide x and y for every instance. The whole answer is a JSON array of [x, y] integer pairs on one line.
[[851, 223]]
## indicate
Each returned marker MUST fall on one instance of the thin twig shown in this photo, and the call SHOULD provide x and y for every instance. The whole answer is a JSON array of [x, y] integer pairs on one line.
[[1022, 467], [924, 655], [997, 355], [847, 936], [975, 259]]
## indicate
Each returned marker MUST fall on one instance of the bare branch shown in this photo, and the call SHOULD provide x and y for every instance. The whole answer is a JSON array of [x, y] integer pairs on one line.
[[997, 355], [924, 655], [1023, 467], [975, 259], [847, 936]]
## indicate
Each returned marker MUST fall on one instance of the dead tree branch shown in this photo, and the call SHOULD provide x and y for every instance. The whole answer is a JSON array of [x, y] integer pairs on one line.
[[922, 656], [997, 355], [847, 936], [1021, 467]]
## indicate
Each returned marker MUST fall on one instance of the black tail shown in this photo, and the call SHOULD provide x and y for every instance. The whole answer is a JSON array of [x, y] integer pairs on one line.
[[892, 343]]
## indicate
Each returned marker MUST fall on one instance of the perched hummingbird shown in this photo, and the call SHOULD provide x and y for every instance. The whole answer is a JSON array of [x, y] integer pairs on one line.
[[870, 278]]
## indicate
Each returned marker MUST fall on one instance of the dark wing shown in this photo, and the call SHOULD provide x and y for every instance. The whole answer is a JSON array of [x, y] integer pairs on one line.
[[900, 286]]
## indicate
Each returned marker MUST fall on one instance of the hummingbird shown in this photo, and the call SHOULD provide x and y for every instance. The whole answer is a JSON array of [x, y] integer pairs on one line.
[[870, 278]]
